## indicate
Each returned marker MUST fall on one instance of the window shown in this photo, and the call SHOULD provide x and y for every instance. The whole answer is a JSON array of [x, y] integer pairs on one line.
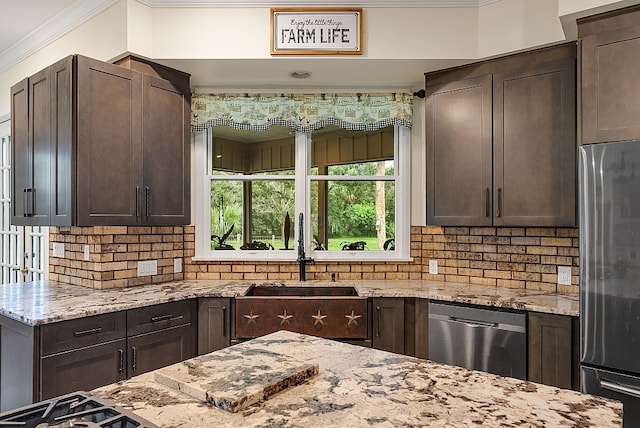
[[23, 250], [347, 185]]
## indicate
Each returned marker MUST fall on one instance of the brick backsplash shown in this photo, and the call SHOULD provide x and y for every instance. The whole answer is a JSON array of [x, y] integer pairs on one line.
[[114, 252], [492, 256]]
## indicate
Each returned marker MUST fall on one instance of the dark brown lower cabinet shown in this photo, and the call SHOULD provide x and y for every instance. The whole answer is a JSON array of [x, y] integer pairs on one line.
[[44, 361], [553, 345], [82, 369], [214, 324], [388, 324]]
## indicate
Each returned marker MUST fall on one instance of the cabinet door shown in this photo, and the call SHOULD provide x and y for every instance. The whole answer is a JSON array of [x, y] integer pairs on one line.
[[31, 127], [109, 144], [166, 152], [214, 324], [39, 197], [62, 143], [82, 369], [535, 146], [20, 152], [610, 87], [459, 139], [388, 324], [550, 355], [161, 348]]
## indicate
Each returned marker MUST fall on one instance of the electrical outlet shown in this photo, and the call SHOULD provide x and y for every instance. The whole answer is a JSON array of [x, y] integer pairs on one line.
[[147, 267], [564, 275], [58, 249], [433, 267], [177, 265], [86, 253]]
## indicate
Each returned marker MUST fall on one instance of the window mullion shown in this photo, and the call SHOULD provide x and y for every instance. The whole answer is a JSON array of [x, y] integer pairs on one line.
[[303, 185]]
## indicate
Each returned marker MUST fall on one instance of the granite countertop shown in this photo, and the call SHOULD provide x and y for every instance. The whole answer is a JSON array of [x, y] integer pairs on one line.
[[357, 386], [45, 302]]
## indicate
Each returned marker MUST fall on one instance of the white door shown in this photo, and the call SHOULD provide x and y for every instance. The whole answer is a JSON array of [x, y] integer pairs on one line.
[[23, 250]]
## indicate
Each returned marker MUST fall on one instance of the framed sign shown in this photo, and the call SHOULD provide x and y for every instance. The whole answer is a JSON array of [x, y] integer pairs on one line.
[[316, 31]]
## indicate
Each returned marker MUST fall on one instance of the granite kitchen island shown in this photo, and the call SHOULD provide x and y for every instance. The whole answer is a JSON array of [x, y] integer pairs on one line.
[[355, 386]]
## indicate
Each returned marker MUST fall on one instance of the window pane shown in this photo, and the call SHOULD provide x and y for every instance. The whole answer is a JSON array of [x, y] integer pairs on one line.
[[359, 215], [250, 152], [338, 151], [252, 214]]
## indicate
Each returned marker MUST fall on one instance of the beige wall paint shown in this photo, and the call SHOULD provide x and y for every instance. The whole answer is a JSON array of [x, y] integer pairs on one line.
[[196, 33], [514, 25], [139, 28]]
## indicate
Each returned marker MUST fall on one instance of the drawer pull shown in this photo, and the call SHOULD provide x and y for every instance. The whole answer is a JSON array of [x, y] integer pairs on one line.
[[379, 311], [162, 318], [87, 332]]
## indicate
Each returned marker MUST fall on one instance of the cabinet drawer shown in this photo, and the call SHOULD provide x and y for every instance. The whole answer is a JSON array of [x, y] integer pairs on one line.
[[158, 317], [77, 333]]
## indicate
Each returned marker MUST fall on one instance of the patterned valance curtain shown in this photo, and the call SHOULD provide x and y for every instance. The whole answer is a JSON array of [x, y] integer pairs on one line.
[[301, 112]]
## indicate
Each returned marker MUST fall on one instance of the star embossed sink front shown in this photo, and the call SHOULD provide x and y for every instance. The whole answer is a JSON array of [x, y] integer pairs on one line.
[[335, 312]]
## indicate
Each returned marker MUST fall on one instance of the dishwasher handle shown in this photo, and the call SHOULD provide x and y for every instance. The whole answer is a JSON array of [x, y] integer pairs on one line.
[[474, 323]]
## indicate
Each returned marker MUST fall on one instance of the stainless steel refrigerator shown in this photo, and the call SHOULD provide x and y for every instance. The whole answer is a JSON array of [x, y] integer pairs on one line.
[[609, 183]]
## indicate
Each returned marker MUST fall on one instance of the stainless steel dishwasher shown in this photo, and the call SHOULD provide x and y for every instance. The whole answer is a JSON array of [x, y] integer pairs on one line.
[[493, 341]]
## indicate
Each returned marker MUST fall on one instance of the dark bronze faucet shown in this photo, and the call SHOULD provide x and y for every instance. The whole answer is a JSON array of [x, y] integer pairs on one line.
[[302, 259]]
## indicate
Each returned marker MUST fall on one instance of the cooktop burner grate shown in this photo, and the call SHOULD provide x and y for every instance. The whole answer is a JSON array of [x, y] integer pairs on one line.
[[77, 409]]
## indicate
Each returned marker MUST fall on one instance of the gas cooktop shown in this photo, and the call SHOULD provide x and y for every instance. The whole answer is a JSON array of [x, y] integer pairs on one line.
[[78, 409]]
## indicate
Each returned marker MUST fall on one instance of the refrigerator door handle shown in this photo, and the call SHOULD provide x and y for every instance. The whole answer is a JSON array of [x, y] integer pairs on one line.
[[622, 389]]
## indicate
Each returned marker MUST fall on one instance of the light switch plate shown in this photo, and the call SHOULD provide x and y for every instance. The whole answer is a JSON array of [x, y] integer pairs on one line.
[[58, 249], [86, 253], [564, 275], [177, 265], [433, 267], [147, 267]]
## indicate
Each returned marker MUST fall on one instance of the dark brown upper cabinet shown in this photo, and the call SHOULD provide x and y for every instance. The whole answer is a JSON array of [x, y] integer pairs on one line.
[[102, 144], [610, 90], [501, 141]]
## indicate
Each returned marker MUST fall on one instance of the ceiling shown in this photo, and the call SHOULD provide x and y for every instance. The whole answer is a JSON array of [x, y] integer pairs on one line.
[[26, 25]]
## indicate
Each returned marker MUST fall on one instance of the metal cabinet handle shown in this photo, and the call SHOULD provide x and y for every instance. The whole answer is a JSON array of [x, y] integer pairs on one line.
[[487, 203], [29, 202], [224, 321], [379, 313], [147, 191], [121, 367], [162, 318], [622, 389], [86, 332], [25, 207], [134, 358], [499, 207], [137, 201]]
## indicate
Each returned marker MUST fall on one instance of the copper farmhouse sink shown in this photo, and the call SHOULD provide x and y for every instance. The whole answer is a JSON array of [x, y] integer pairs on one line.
[[301, 291], [335, 312]]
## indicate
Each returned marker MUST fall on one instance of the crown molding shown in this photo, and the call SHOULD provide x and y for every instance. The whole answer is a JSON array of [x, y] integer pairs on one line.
[[316, 3], [59, 24]]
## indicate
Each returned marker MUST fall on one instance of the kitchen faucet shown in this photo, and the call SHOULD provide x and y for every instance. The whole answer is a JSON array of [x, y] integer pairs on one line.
[[302, 260]]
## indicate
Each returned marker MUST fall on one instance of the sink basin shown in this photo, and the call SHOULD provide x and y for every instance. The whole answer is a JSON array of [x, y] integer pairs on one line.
[[300, 291]]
